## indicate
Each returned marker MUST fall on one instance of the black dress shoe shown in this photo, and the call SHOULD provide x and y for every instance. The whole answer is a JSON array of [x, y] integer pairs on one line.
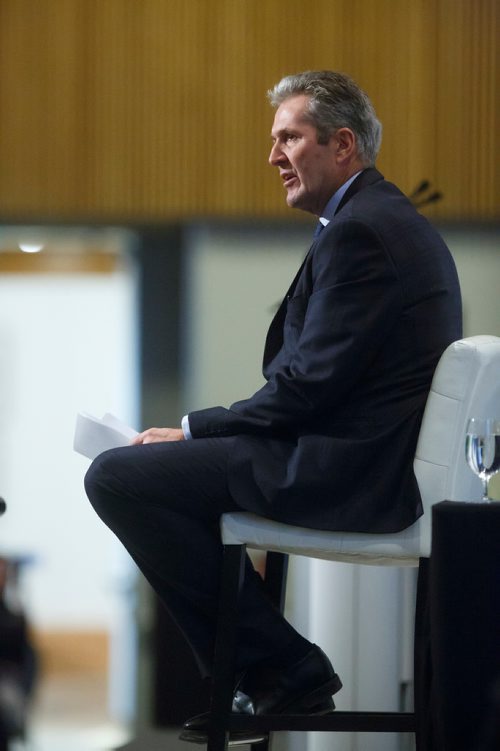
[[305, 687], [274, 689]]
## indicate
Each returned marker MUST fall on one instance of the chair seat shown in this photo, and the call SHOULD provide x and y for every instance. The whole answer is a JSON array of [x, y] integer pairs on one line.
[[396, 549]]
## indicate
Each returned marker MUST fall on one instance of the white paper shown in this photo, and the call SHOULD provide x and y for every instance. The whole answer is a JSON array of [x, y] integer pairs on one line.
[[93, 435]]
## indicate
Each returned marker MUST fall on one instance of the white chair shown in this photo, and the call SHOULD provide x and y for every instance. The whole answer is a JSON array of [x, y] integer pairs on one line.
[[466, 383]]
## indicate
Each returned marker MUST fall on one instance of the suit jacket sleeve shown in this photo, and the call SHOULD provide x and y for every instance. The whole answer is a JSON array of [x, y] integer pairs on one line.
[[344, 304]]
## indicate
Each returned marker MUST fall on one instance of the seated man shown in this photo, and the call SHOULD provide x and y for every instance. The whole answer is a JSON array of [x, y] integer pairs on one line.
[[328, 441]]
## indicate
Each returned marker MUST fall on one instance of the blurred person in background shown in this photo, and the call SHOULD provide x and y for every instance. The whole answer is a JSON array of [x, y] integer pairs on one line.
[[17, 656]]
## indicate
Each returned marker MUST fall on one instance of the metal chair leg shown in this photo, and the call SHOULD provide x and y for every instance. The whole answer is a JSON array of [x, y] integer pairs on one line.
[[225, 646], [276, 576]]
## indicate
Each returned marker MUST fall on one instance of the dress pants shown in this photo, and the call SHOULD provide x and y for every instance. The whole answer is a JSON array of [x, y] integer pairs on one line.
[[164, 501]]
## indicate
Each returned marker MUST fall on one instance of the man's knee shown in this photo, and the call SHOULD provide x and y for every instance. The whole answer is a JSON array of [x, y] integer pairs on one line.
[[102, 480]]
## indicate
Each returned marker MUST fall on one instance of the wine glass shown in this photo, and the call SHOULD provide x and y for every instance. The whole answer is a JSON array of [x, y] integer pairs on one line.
[[482, 449]]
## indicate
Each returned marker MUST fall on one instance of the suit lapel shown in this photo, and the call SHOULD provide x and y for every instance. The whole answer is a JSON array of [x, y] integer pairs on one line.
[[274, 339]]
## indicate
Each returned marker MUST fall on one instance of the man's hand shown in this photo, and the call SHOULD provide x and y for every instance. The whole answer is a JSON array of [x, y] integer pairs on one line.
[[157, 435]]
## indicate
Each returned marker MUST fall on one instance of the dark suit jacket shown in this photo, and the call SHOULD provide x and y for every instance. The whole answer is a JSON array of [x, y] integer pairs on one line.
[[328, 442]]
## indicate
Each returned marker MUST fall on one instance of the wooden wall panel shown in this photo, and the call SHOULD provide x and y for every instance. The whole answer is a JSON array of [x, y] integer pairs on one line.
[[118, 110], [468, 99]]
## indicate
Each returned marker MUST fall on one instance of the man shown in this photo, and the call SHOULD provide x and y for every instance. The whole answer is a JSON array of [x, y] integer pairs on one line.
[[328, 441]]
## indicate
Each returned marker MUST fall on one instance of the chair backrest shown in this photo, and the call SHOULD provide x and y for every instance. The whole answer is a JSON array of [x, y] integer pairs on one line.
[[466, 384]]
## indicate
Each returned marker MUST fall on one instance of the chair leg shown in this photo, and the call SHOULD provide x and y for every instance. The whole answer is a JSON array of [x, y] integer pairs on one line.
[[423, 663], [275, 582], [225, 646], [276, 576]]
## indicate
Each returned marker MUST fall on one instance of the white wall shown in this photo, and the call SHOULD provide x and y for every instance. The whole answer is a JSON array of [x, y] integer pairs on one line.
[[235, 279], [477, 256], [67, 343]]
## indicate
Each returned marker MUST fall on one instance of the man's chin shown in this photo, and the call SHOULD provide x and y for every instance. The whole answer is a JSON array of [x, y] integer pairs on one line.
[[294, 200], [297, 201]]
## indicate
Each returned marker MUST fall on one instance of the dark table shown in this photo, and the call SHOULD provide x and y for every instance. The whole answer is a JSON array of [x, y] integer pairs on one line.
[[458, 683]]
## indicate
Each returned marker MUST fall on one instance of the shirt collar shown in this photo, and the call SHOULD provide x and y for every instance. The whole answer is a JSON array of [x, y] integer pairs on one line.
[[331, 207]]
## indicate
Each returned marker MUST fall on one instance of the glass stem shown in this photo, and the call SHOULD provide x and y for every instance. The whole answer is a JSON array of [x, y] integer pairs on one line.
[[484, 479]]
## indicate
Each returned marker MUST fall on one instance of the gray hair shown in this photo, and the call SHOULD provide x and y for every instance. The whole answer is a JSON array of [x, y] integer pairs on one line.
[[335, 101]]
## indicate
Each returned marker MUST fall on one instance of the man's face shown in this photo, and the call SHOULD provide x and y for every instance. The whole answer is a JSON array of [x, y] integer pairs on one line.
[[309, 170]]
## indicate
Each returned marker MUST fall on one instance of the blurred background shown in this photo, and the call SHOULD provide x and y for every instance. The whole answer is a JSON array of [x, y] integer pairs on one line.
[[144, 245]]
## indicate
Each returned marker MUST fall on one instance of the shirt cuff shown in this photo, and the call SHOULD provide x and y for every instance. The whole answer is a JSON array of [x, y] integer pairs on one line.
[[185, 428]]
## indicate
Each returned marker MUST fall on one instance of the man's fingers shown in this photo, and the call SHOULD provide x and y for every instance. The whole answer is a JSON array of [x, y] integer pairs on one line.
[[158, 435]]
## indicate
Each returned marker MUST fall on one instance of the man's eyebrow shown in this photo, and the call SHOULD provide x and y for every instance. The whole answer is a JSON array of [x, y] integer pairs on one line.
[[282, 132]]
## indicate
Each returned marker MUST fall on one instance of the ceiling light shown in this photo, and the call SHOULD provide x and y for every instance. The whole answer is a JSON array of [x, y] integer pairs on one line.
[[31, 247]]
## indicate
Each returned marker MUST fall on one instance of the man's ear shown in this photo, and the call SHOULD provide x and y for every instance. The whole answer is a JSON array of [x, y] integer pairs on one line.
[[345, 144]]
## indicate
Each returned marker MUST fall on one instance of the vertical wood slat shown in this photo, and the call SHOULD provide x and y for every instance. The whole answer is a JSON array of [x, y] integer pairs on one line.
[[117, 109]]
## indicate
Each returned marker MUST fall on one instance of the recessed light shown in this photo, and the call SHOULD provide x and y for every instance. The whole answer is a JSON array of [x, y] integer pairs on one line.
[[31, 247]]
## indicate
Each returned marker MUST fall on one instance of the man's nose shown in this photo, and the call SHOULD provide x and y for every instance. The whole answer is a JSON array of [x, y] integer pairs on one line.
[[276, 156]]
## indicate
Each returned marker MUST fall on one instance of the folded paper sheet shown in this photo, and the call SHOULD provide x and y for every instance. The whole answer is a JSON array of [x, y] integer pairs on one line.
[[93, 435]]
